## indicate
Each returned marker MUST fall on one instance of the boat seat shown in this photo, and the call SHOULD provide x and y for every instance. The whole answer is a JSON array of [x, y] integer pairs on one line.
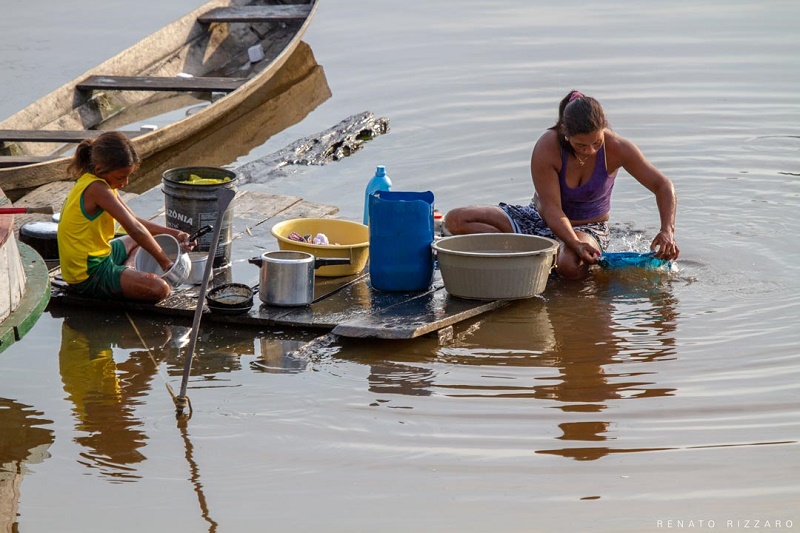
[[256, 13], [147, 83], [8, 161], [56, 136]]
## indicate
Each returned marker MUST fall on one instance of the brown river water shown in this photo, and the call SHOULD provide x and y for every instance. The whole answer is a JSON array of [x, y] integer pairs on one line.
[[632, 402]]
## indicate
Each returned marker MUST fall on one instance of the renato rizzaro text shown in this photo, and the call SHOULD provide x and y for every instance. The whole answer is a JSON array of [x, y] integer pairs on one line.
[[772, 525]]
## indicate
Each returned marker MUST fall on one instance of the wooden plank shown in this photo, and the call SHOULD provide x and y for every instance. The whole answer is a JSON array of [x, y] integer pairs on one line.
[[8, 161], [255, 14], [56, 136], [417, 316], [155, 83]]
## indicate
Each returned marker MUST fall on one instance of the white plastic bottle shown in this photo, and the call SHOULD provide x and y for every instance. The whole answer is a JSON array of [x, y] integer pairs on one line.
[[379, 182]]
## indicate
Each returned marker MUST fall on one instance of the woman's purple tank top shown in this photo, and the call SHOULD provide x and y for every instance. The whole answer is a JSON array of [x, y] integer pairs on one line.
[[591, 199]]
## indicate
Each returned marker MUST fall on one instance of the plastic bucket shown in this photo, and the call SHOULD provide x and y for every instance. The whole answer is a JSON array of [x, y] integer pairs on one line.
[[190, 206], [400, 237]]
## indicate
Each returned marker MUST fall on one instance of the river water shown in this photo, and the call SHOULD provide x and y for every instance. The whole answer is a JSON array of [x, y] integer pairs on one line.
[[635, 401]]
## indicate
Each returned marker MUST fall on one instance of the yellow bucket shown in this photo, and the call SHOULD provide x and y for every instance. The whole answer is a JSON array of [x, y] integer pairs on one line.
[[348, 239]]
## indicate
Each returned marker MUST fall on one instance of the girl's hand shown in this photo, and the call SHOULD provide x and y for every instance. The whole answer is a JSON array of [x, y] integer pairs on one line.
[[183, 240]]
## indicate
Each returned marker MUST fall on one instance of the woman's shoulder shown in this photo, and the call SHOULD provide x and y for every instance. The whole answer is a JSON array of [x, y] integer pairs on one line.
[[548, 146], [549, 138], [618, 147]]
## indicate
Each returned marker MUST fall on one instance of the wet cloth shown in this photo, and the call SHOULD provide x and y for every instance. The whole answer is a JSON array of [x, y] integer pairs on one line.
[[528, 221]]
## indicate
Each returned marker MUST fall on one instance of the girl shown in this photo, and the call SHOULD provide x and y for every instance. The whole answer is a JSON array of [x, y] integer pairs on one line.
[[574, 164], [93, 262]]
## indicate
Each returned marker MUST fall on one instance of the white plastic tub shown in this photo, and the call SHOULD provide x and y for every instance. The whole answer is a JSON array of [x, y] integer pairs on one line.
[[495, 266]]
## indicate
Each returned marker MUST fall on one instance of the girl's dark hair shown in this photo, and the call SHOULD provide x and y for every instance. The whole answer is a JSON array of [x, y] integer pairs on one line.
[[578, 114], [109, 151]]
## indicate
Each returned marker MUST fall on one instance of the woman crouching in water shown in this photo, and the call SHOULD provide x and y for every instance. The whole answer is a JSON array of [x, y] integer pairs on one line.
[[93, 262], [574, 164]]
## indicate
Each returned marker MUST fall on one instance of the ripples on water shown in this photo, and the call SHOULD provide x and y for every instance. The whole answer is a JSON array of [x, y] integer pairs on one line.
[[634, 397]]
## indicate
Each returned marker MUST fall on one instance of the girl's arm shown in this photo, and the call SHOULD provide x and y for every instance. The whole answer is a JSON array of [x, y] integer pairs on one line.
[[101, 195], [157, 229]]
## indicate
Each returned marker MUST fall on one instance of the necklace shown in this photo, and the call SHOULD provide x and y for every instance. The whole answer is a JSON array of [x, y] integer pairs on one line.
[[581, 162]]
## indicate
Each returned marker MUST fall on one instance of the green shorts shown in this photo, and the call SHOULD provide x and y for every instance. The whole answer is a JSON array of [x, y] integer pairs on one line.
[[105, 273]]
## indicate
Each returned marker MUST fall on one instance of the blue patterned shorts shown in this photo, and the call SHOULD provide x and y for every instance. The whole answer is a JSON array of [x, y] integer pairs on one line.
[[527, 220]]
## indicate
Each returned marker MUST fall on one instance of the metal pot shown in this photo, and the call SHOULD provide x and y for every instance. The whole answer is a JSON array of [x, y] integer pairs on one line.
[[287, 277], [198, 259], [181, 267]]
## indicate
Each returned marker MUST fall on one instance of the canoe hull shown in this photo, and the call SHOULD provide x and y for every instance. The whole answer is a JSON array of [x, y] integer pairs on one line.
[[184, 46]]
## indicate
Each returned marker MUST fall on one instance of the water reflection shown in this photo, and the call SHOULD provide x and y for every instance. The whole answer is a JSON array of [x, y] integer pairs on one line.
[[587, 345], [104, 392], [220, 350], [279, 356], [22, 442], [620, 317], [217, 352]]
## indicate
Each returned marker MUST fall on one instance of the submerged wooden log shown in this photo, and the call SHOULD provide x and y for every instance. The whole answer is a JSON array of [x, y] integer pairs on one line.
[[333, 144]]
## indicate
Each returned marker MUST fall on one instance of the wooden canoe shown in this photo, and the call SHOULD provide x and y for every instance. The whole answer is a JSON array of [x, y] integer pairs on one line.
[[204, 57]]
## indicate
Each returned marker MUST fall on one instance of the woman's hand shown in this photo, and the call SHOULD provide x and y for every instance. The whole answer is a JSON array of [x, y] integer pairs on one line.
[[664, 246], [586, 252]]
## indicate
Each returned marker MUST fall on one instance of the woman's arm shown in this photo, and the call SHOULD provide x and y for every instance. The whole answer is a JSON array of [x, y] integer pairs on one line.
[[544, 170], [634, 162]]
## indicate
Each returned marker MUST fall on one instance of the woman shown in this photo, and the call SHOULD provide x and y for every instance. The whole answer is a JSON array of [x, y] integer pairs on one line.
[[92, 261], [574, 164]]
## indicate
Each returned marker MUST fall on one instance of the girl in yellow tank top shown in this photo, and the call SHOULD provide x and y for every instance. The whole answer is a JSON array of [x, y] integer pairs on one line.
[[92, 261]]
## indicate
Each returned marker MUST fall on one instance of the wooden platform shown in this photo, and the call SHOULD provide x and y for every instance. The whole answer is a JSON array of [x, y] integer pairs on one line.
[[346, 306]]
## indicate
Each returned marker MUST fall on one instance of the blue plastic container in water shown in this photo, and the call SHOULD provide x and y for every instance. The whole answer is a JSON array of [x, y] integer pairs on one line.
[[400, 237]]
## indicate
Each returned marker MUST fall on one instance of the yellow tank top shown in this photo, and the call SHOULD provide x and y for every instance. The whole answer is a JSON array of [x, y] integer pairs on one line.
[[83, 240]]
